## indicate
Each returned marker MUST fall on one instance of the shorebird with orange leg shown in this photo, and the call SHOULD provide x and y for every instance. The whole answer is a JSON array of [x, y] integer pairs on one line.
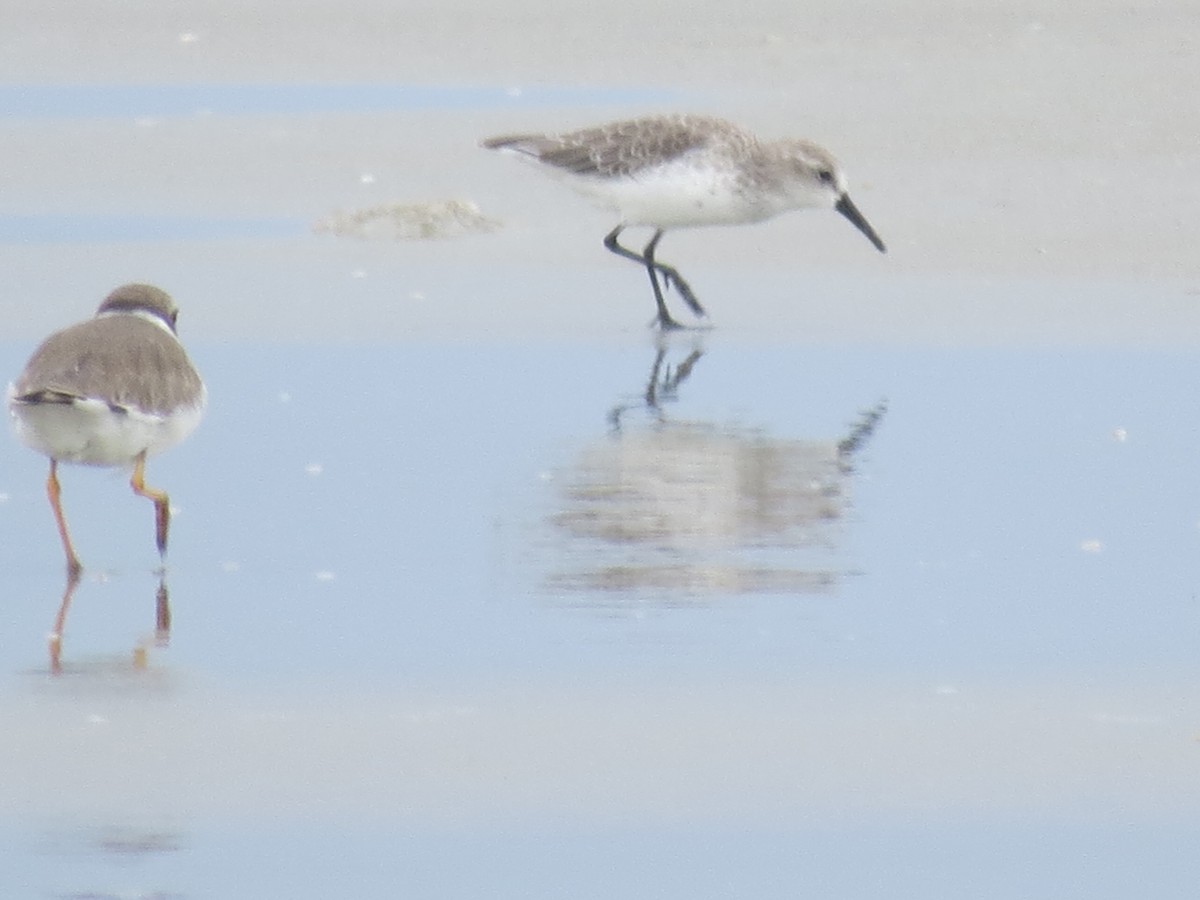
[[110, 391]]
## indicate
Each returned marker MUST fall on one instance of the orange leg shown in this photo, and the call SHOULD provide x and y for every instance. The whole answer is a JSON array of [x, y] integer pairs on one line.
[[162, 506], [74, 566]]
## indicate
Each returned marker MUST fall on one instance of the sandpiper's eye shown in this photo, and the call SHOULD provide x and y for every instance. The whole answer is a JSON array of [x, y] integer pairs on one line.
[[825, 176]]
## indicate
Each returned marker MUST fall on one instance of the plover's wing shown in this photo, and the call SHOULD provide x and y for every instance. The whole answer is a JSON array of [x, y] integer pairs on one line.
[[610, 151], [44, 395], [54, 397], [129, 364]]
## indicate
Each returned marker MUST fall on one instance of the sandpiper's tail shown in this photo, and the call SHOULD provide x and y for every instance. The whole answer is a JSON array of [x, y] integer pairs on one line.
[[530, 144]]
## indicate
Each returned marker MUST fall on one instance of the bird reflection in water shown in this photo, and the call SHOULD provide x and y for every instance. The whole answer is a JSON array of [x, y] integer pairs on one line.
[[676, 509], [661, 387], [140, 657]]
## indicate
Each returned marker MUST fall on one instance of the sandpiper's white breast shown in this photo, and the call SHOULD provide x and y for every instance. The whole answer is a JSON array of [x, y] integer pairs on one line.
[[685, 192]]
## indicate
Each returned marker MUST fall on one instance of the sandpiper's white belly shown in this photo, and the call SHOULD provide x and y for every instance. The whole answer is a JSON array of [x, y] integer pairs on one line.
[[91, 433], [683, 193]]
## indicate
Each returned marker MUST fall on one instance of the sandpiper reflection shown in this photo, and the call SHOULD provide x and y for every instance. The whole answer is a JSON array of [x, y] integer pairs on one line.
[[673, 507], [138, 659], [662, 386]]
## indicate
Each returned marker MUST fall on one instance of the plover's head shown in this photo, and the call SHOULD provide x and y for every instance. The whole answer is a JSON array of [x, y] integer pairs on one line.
[[142, 300], [816, 180]]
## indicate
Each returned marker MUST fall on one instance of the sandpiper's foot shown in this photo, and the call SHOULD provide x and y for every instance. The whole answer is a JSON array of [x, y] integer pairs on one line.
[[671, 277], [666, 323]]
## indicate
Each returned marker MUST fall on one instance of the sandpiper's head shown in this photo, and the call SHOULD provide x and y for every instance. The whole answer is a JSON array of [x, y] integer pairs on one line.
[[815, 180], [144, 300]]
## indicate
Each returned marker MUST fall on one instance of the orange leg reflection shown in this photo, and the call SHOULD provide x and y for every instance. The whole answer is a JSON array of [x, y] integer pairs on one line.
[[162, 624], [60, 621], [162, 615]]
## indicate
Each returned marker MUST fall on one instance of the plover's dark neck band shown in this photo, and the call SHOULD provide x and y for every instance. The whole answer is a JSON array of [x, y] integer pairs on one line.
[[141, 300]]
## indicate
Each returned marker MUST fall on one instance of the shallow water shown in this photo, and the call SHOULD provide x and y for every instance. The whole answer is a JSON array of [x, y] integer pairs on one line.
[[505, 625]]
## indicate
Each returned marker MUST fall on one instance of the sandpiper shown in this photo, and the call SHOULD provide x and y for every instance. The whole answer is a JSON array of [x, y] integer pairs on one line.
[[110, 392], [682, 171]]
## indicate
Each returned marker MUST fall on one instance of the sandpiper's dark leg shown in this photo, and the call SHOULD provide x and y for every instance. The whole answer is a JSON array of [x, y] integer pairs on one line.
[[671, 275], [664, 317], [54, 492], [162, 505]]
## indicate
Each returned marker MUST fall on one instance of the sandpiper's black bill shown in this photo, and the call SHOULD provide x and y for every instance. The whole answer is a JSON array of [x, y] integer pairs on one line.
[[847, 208]]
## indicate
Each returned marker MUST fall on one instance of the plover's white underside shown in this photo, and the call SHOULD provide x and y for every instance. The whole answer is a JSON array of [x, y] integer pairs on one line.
[[110, 391], [685, 171]]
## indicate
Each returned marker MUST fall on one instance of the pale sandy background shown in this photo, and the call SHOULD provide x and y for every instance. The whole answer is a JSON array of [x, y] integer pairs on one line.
[[991, 146]]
